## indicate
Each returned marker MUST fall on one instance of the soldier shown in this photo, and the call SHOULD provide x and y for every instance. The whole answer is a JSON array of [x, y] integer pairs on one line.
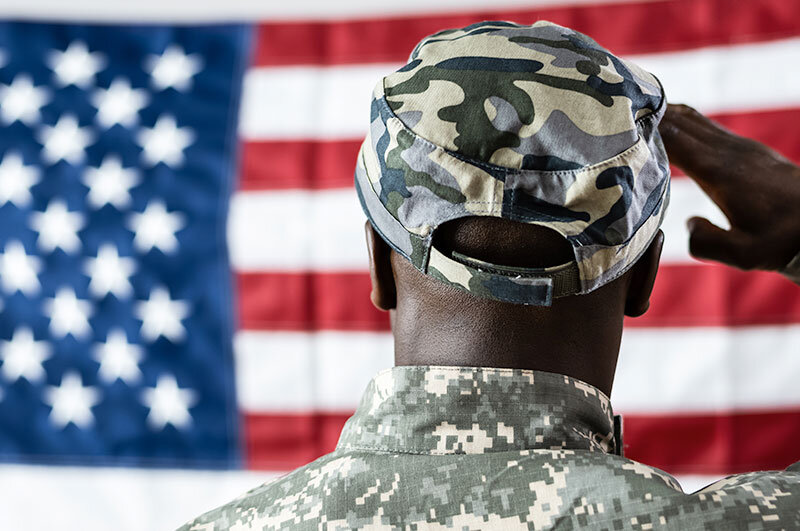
[[514, 180]]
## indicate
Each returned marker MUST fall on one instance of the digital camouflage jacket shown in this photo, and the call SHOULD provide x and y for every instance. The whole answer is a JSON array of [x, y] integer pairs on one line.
[[482, 448]]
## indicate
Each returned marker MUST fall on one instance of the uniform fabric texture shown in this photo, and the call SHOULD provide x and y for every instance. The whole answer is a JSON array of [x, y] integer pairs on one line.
[[482, 448], [536, 124]]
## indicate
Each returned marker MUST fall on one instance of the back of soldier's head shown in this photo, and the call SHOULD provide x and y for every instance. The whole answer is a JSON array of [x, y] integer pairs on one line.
[[519, 164]]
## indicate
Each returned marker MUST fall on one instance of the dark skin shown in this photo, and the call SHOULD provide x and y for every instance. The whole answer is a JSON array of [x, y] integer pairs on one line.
[[434, 324], [755, 187]]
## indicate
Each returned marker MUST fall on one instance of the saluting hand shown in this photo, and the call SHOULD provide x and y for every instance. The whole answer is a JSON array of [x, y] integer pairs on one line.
[[754, 186]]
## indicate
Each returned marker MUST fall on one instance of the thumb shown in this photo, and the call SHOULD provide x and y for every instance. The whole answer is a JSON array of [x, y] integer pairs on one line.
[[707, 241]]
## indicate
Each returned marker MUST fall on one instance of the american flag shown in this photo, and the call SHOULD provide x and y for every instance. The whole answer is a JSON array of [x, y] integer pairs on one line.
[[185, 305]]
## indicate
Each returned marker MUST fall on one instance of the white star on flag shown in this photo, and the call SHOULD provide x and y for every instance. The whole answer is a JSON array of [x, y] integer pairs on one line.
[[18, 270], [71, 401], [65, 141], [162, 316], [16, 180], [164, 142], [110, 183], [109, 273], [155, 227], [57, 227], [118, 359], [21, 100], [22, 356], [68, 314], [168, 403], [174, 68], [76, 65], [119, 104]]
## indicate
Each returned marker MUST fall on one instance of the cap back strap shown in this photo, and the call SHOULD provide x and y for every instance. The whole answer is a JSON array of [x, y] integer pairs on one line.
[[531, 286]]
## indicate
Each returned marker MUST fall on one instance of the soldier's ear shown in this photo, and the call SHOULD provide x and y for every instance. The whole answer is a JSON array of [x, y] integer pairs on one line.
[[384, 292], [643, 277]]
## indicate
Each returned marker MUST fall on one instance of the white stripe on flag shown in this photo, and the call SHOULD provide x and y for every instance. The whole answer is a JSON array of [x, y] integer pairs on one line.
[[297, 230], [282, 103], [694, 482], [675, 370], [669, 370], [297, 372], [119, 498], [716, 80], [300, 230]]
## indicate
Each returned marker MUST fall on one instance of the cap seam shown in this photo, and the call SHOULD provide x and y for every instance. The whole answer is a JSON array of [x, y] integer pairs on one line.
[[368, 214], [631, 263], [512, 171]]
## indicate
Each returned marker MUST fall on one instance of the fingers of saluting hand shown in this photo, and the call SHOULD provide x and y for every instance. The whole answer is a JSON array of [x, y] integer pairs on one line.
[[756, 188], [694, 143], [709, 242]]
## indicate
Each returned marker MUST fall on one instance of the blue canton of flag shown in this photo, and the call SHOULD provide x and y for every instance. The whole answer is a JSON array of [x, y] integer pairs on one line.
[[117, 150]]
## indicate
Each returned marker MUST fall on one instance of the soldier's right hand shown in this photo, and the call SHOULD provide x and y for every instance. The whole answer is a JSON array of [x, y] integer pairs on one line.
[[754, 186]]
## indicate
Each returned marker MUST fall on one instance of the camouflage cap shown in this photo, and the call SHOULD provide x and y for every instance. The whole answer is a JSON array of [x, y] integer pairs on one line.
[[537, 124]]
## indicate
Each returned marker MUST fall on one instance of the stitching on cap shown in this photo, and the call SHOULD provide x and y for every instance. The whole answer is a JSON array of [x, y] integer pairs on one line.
[[624, 270], [513, 171]]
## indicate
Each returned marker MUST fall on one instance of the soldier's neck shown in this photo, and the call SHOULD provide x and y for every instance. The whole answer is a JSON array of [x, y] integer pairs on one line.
[[586, 349]]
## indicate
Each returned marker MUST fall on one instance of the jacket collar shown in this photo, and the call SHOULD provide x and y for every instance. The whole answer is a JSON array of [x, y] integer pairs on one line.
[[471, 410]]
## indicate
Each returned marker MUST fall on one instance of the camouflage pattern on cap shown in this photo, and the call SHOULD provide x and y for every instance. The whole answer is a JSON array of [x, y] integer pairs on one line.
[[537, 124], [480, 448]]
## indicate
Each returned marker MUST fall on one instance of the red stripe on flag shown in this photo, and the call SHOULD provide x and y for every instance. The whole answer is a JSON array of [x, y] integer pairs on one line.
[[652, 26], [714, 443], [723, 443], [279, 165], [716, 295], [286, 441], [684, 295], [308, 301]]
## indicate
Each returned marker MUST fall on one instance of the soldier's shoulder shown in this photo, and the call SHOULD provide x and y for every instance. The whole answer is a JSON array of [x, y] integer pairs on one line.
[[247, 505]]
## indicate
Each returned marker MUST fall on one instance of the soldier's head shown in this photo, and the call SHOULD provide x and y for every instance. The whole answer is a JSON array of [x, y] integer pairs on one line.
[[514, 181]]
